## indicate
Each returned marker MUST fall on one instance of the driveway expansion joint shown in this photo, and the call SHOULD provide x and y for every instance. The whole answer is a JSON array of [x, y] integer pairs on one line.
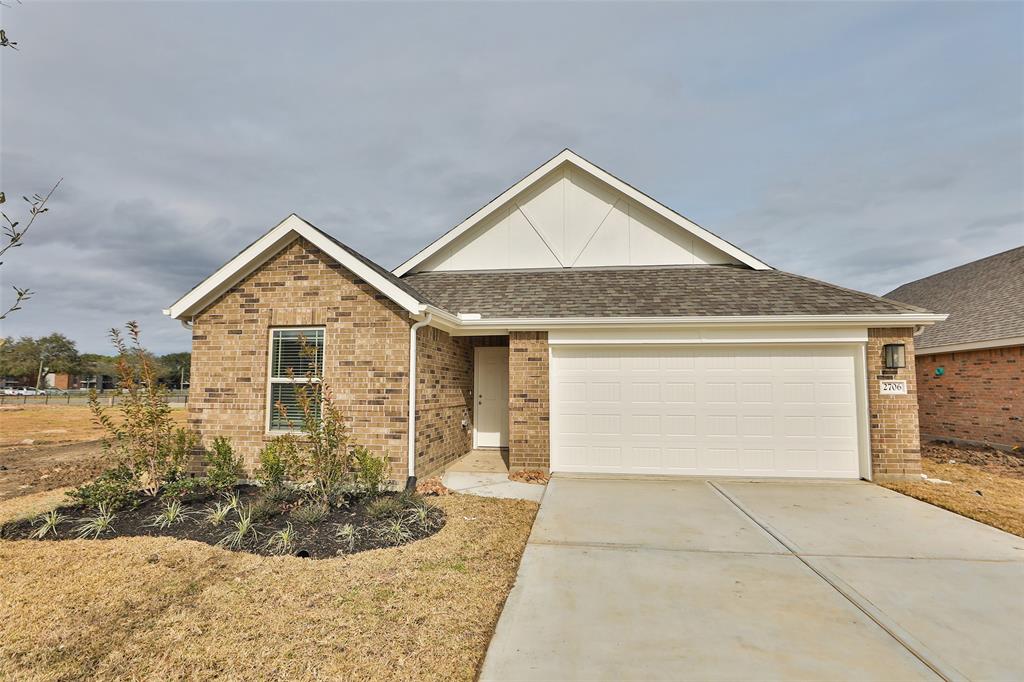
[[890, 626]]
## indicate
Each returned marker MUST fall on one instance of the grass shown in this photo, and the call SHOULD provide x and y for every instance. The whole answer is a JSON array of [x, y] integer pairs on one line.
[[1000, 504], [54, 424], [159, 608]]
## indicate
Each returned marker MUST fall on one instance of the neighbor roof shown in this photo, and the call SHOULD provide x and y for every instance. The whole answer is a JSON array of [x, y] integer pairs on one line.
[[643, 291], [984, 299]]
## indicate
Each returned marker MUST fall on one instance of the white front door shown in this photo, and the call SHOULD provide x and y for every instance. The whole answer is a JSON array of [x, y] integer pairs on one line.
[[491, 397]]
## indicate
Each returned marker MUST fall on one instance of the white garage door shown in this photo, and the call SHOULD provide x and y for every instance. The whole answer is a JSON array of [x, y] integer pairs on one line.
[[698, 410]]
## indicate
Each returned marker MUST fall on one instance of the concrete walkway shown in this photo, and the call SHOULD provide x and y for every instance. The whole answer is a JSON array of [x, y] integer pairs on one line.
[[632, 579], [485, 473]]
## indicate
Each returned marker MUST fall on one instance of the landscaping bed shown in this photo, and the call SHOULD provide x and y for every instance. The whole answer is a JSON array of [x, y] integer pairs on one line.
[[161, 608], [982, 484], [288, 525]]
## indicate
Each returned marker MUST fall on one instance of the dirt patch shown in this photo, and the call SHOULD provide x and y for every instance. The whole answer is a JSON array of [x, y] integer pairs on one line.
[[158, 608], [530, 476], [49, 424], [991, 492], [993, 461], [25, 470]]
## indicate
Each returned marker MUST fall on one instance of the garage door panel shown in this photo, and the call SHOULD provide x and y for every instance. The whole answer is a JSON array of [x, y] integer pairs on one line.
[[698, 410]]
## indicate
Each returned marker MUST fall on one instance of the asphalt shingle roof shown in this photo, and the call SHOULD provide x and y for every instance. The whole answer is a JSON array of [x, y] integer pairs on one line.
[[657, 291], [984, 299]]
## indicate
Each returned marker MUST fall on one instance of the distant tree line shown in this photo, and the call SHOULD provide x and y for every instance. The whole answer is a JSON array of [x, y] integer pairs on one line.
[[29, 360]]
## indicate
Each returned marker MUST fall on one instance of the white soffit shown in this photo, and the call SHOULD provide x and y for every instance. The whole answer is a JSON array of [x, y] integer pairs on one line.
[[257, 253], [571, 213]]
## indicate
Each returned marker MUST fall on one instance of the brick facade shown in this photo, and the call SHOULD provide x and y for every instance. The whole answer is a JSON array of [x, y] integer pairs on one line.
[[528, 406], [895, 440], [978, 398], [366, 353], [444, 399]]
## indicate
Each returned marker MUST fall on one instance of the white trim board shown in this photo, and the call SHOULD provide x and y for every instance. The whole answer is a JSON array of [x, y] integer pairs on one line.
[[266, 247], [567, 156]]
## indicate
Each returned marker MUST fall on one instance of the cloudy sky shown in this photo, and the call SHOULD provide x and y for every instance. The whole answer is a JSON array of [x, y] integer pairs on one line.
[[866, 144]]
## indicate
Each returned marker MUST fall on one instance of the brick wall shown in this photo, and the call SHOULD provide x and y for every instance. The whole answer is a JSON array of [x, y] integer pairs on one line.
[[978, 398], [528, 409], [366, 353], [895, 440], [444, 399]]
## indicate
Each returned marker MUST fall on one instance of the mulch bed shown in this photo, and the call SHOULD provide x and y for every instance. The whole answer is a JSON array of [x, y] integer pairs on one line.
[[316, 540]]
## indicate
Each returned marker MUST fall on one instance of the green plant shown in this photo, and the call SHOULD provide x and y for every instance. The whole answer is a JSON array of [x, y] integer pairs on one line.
[[371, 471], [218, 514], [233, 500], [184, 488], [97, 525], [427, 517], [278, 461], [223, 468], [171, 514], [348, 534], [383, 508], [312, 512], [264, 509], [48, 524], [145, 439], [114, 488], [283, 541], [394, 531], [245, 532], [410, 499]]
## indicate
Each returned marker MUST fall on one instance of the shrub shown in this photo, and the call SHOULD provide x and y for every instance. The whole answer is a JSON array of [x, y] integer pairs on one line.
[[409, 499], [264, 509], [218, 514], [171, 514], [371, 471], [348, 534], [97, 525], [427, 517], [145, 438], [313, 512], [384, 508], [283, 541], [394, 531], [244, 533], [115, 489], [223, 468], [48, 524], [278, 462], [183, 488]]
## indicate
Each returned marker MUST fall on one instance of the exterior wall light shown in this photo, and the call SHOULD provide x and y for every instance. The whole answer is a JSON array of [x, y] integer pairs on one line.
[[895, 355]]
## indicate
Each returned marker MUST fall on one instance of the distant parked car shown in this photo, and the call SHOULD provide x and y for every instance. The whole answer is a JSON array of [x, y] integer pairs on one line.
[[27, 390]]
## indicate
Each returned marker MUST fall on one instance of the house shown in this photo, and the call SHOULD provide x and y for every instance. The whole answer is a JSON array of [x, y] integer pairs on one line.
[[970, 368], [577, 324]]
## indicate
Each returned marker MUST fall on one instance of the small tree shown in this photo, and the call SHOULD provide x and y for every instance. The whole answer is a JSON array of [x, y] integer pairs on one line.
[[145, 438]]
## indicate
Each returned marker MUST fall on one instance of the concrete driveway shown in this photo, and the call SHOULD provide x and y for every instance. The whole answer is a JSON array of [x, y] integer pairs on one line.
[[633, 579]]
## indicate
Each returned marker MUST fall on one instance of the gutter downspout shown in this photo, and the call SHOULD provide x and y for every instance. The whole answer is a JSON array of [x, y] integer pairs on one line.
[[410, 482]]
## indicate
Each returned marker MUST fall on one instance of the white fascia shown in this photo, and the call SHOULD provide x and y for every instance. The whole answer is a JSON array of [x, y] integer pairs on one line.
[[568, 156], [272, 242]]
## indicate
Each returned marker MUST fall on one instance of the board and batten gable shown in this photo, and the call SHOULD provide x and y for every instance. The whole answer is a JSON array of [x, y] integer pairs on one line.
[[570, 218]]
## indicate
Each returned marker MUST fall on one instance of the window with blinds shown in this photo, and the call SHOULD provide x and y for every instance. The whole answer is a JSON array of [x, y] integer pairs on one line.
[[296, 359]]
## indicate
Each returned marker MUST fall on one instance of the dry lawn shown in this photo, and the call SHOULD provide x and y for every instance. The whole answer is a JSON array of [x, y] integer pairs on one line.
[[1000, 502], [45, 424], [157, 608]]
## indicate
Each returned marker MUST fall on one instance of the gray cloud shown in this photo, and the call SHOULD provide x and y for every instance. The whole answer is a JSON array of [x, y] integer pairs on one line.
[[859, 143]]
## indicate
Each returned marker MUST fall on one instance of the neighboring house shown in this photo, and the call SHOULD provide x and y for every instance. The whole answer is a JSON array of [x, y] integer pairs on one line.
[[970, 368], [574, 321]]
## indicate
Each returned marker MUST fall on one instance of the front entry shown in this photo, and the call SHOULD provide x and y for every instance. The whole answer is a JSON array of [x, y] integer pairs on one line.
[[491, 395]]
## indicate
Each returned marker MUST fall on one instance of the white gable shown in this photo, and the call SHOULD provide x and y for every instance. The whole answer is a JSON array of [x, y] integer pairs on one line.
[[567, 214]]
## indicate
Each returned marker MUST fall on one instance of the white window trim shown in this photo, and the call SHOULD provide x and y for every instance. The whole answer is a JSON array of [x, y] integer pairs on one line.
[[271, 379]]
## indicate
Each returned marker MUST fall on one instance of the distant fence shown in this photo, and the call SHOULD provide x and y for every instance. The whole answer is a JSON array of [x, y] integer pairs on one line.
[[109, 397]]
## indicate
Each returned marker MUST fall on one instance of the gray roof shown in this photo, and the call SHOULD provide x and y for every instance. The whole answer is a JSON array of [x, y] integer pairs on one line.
[[984, 299], [655, 291]]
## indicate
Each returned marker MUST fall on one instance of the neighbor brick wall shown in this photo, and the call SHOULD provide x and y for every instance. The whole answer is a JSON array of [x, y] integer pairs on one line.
[[895, 440], [979, 397], [528, 406], [366, 353], [444, 398]]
